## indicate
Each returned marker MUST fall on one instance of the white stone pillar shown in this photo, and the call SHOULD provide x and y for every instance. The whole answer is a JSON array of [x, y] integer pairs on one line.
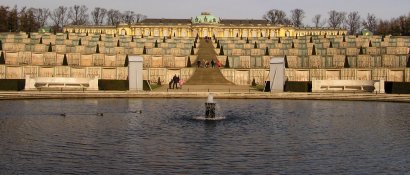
[[135, 73], [277, 74]]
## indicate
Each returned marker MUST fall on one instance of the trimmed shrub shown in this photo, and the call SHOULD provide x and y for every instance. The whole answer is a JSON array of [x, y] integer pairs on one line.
[[346, 64], [221, 51], [113, 85], [97, 50], [50, 48], [397, 87], [189, 64], [126, 61], [227, 63], [65, 62], [2, 60], [298, 86], [12, 84], [286, 62]]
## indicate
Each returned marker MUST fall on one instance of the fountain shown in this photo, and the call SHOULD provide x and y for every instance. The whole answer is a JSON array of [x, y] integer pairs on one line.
[[210, 111], [210, 107]]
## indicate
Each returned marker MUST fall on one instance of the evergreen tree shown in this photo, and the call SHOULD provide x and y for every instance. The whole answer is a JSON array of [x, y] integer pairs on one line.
[[255, 46], [247, 40], [331, 44], [216, 41], [194, 45], [144, 50], [241, 37], [115, 35], [97, 50], [407, 65], [163, 40], [68, 36], [286, 61], [267, 51], [1, 45], [142, 35], [2, 60], [126, 61], [100, 39], [118, 43], [227, 62], [311, 40], [296, 36], [261, 34], [293, 45], [65, 62], [269, 36], [382, 38], [370, 43], [156, 44], [218, 45], [361, 50], [344, 38], [346, 64], [50, 48], [237, 35], [41, 40], [325, 35], [29, 35], [192, 50], [174, 35], [279, 41], [132, 38], [79, 42], [189, 64], [159, 81], [314, 50], [86, 34], [221, 51], [253, 82]]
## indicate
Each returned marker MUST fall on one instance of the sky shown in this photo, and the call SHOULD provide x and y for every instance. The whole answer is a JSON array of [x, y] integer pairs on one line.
[[231, 9]]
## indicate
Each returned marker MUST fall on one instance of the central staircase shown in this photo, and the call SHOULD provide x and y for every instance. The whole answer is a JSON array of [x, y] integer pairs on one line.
[[207, 76]]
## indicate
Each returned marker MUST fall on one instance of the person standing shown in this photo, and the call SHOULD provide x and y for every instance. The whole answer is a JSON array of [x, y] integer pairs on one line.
[[181, 82], [174, 81], [213, 63]]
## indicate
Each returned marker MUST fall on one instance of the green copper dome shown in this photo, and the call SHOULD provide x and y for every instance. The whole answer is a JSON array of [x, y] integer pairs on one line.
[[205, 18]]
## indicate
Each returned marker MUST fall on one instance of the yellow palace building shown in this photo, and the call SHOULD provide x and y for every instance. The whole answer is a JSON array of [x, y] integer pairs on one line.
[[203, 25]]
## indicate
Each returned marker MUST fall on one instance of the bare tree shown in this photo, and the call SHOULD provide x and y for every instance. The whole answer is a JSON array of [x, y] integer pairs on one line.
[[113, 17], [41, 15], [370, 23], [139, 17], [353, 22], [98, 15], [78, 15], [276, 16], [336, 18], [297, 17], [128, 17], [27, 19], [59, 17], [317, 21]]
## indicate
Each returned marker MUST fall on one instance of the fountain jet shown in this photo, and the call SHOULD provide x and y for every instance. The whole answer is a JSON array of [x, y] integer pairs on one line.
[[210, 107]]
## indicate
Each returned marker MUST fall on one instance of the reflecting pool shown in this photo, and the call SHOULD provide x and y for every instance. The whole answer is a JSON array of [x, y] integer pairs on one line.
[[162, 136]]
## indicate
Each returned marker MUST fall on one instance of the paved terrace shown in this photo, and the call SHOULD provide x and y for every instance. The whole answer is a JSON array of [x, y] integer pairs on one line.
[[13, 95]]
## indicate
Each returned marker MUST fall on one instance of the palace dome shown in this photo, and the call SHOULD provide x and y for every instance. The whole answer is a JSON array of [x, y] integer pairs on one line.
[[205, 18]]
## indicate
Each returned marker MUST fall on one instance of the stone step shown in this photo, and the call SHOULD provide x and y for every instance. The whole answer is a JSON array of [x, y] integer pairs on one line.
[[207, 76]]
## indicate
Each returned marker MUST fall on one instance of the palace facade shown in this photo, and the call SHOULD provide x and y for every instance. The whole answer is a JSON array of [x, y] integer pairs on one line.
[[203, 25]]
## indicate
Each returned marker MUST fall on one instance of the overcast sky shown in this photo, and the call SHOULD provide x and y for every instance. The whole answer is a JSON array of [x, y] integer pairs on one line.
[[230, 9]]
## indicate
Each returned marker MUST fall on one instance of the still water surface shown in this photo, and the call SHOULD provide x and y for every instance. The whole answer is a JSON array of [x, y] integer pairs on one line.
[[257, 137]]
